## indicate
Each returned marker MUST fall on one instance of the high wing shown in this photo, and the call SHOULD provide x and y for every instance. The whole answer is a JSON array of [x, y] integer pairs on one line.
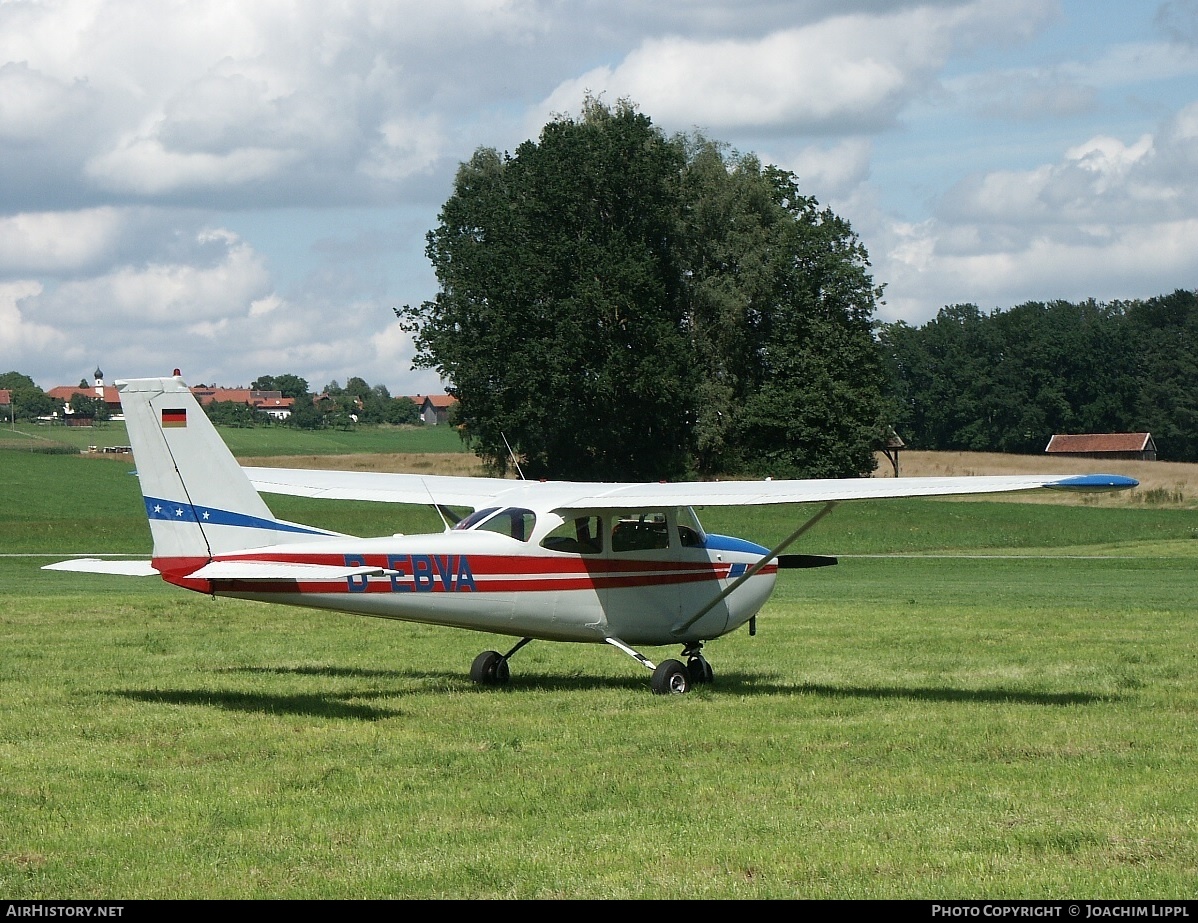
[[387, 488], [559, 495]]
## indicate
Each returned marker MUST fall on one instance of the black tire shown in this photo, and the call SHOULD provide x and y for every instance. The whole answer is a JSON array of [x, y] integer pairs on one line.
[[490, 669], [670, 678], [700, 671]]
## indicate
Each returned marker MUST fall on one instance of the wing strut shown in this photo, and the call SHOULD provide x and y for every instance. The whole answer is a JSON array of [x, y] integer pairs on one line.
[[752, 571]]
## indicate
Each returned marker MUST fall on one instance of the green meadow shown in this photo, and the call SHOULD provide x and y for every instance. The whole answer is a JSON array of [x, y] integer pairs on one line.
[[250, 441], [982, 700]]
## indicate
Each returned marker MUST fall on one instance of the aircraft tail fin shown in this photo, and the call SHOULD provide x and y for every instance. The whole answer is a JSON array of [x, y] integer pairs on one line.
[[199, 501]]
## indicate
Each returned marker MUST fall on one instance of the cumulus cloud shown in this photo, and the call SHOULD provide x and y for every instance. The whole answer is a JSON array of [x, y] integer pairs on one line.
[[180, 295], [21, 339], [57, 242], [833, 170], [144, 165], [843, 73], [87, 318], [33, 104], [1101, 180], [184, 100]]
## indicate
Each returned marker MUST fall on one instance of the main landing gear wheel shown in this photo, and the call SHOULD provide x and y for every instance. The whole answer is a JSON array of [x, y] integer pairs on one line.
[[490, 669], [699, 670], [670, 678]]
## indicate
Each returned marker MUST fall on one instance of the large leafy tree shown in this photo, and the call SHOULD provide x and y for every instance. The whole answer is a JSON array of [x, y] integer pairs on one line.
[[616, 304], [560, 320], [304, 414], [92, 408], [782, 312]]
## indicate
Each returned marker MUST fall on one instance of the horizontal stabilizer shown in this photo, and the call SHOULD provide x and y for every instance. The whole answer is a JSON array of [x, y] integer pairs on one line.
[[787, 561], [276, 570], [99, 566]]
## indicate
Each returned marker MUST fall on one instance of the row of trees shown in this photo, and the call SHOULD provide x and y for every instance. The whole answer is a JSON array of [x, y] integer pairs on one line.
[[334, 405], [615, 303], [1007, 380]]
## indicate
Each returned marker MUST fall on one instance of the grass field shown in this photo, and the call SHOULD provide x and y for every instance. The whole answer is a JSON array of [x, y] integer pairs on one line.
[[1013, 724], [256, 441]]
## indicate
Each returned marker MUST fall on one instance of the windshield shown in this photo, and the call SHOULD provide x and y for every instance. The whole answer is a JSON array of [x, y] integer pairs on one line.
[[514, 522], [474, 518]]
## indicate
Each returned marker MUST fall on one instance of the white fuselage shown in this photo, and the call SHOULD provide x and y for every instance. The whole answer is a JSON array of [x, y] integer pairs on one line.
[[490, 582]]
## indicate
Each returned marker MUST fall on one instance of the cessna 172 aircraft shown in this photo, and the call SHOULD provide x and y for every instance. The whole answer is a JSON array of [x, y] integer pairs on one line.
[[628, 565]]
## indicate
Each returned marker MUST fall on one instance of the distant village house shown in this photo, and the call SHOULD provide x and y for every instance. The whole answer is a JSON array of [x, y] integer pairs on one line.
[[97, 390], [271, 403], [434, 408]]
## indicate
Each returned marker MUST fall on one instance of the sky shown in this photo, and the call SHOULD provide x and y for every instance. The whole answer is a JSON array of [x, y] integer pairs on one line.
[[242, 189]]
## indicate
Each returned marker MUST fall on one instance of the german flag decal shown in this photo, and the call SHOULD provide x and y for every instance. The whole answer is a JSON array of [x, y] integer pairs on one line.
[[174, 417]]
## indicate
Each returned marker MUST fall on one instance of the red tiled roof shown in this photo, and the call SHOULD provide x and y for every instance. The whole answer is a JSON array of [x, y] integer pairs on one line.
[[440, 401], [5, 396], [112, 397], [258, 399], [1100, 442]]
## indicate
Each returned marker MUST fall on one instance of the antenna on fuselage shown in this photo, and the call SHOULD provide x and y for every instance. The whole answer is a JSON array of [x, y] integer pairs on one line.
[[513, 456]]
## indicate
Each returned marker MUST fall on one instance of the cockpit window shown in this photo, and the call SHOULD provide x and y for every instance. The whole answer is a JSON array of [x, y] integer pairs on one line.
[[581, 535], [640, 532], [690, 532]]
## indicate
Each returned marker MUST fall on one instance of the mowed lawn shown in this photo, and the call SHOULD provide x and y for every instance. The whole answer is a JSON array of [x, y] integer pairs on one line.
[[1015, 724]]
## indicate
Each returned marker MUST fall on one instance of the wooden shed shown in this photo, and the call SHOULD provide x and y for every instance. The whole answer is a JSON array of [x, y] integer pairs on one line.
[[1133, 446]]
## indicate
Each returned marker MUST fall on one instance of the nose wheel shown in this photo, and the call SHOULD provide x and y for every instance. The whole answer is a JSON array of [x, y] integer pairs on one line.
[[670, 678]]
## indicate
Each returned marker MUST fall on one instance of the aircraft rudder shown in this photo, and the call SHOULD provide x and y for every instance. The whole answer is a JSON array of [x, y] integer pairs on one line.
[[199, 501]]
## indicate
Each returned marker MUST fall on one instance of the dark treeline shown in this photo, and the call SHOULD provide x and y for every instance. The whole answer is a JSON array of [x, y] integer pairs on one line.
[[1008, 380]]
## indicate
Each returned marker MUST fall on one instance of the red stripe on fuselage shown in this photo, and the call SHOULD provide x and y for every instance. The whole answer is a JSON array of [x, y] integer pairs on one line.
[[506, 580], [450, 573], [486, 563]]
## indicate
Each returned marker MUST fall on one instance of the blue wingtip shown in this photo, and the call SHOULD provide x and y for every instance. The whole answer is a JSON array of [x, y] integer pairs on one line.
[[1095, 482]]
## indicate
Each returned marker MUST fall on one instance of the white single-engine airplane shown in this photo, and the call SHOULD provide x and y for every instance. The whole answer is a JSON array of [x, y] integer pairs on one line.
[[627, 565]]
